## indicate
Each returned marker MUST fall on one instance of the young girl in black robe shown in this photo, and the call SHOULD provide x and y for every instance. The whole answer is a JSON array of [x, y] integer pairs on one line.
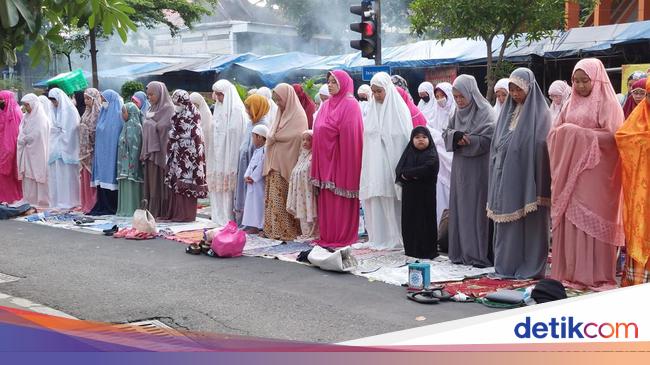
[[417, 172]]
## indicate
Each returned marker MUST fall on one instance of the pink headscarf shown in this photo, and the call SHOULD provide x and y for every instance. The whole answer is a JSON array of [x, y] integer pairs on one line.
[[338, 140], [10, 118], [416, 115], [585, 161], [599, 109]]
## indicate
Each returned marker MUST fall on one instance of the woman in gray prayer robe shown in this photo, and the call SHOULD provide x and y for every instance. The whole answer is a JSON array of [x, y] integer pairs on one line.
[[469, 135], [520, 181]]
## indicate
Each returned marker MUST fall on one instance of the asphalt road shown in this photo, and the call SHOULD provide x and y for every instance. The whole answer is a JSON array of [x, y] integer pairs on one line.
[[114, 280]]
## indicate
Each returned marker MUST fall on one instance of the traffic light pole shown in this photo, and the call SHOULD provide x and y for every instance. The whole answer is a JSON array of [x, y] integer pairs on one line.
[[378, 22]]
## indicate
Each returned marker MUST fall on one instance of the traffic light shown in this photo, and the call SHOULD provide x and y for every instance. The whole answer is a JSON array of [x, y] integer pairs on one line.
[[369, 27]]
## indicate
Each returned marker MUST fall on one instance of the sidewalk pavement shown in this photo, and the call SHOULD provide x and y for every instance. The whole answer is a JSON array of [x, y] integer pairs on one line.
[[25, 304]]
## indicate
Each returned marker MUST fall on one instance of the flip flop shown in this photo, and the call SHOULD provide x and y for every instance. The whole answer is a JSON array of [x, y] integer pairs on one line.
[[111, 231], [83, 220], [443, 295], [423, 297]]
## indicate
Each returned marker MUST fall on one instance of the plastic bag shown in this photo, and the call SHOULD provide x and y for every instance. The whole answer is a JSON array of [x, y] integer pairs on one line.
[[340, 260], [143, 221], [229, 241]]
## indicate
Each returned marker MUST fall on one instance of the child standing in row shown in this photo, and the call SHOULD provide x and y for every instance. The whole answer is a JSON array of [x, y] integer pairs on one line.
[[253, 216], [417, 172], [301, 201]]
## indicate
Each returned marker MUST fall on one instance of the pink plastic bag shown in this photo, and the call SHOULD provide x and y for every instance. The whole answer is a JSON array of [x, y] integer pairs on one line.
[[229, 241]]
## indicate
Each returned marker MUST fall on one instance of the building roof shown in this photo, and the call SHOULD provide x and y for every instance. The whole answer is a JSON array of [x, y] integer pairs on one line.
[[244, 10]]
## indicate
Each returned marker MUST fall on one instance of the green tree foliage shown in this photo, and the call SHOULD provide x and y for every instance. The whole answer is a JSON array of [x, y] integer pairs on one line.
[[11, 84], [516, 20], [312, 85], [42, 21], [173, 13], [74, 41], [151, 13], [129, 88], [242, 90]]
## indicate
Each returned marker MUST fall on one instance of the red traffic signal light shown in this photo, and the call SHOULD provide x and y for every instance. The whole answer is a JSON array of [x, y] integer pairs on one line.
[[368, 29]]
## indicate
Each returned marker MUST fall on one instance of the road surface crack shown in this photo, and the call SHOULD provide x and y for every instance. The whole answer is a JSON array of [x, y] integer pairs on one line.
[[224, 324]]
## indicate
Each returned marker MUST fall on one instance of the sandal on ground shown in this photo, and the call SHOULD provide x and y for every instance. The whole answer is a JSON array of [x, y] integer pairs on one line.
[[443, 295], [211, 253], [423, 297], [193, 249], [205, 247], [83, 220], [111, 231]]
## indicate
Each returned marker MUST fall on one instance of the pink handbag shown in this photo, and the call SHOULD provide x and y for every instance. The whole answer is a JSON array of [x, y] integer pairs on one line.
[[229, 241]]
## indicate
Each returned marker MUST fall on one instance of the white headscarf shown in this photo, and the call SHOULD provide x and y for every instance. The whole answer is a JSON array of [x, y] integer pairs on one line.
[[273, 110], [324, 90], [365, 104], [428, 109], [441, 114], [47, 107], [206, 116], [501, 85], [206, 124], [32, 141], [229, 126], [437, 125], [64, 133], [387, 130], [559, 87]]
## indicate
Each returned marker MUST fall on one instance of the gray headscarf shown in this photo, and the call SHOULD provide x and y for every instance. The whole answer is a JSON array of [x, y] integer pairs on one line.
[[156, 125], [520, 177], [475, 119]]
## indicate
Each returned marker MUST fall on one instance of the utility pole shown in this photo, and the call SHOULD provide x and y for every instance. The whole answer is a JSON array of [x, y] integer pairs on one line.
[[378, 23]]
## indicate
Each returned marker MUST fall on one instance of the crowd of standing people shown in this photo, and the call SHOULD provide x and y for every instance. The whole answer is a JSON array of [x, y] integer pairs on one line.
[[508, 179]]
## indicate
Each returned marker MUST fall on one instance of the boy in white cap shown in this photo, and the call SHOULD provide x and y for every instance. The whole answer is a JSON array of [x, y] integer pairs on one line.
[[253, 217]]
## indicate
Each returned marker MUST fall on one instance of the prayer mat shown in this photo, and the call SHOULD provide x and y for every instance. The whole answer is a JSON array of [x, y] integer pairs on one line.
[[481, 287], [277, 250], [187, 237]]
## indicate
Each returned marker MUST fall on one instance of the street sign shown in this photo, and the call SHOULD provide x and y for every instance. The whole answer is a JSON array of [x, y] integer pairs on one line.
[[370, 71]]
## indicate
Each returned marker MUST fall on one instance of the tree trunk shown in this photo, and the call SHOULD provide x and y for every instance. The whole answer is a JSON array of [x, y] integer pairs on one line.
[[93, 57], [67, 55], [490, 72]]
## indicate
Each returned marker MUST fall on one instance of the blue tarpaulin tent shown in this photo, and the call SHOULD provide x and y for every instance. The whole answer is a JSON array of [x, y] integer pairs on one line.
[[219, 63], [132, 71], [249, 69]]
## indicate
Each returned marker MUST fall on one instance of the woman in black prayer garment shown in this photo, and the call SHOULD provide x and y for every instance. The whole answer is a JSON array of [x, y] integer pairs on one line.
[[417, 172]]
